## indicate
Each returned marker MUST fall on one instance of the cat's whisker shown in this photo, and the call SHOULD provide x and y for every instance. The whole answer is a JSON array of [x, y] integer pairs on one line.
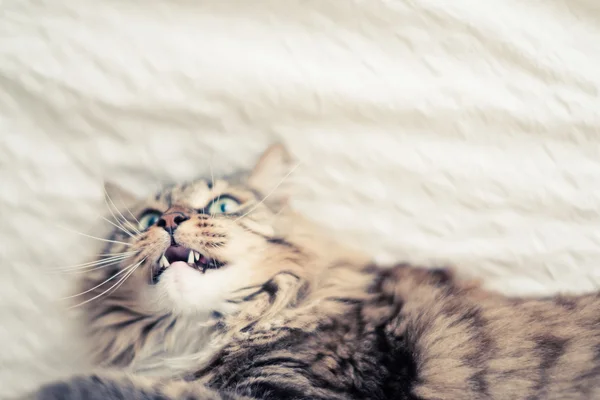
[[121, 228], [149, 251], [212, 179], [215, 245], [270, 193], [212, 176], [110, 209], [98, 266], [132, 216], [94, 237], [286, 205], [109, 260], [115, 254], [124, 270], [94, 262], [107, 256], [130, 213], [130, 270], [133, 227], [106, 200], [89, 269]]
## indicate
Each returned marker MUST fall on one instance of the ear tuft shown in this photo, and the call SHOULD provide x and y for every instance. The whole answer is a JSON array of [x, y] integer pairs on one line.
[[272, 170]]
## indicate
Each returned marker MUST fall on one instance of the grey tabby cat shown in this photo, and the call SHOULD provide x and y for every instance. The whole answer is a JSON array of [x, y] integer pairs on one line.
[[217, 294]]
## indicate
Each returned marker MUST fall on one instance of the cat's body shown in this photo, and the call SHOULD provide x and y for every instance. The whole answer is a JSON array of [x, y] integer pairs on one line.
[[272, 308], [417, 334]]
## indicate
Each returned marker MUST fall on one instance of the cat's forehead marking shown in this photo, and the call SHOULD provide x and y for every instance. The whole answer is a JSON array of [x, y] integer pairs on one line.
[[199, 194]]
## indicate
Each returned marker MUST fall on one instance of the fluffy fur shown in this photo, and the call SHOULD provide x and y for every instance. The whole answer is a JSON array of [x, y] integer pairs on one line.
[[293, 314]]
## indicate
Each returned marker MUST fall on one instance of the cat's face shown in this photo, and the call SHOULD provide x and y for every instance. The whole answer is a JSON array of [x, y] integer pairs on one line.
[[199, 246]]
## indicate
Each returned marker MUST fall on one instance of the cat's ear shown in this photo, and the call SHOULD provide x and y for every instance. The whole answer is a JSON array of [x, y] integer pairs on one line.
[[270, 176], [118, 197]]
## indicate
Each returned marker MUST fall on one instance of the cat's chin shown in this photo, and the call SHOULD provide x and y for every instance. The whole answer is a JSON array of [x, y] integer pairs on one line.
[[183, 289]]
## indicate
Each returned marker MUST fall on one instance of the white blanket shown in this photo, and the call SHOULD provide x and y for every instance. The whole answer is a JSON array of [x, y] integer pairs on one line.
[[460, 132]]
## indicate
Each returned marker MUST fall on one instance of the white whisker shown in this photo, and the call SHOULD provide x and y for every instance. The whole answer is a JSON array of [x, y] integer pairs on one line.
[[90, 267], [286, 205], [212, 179], [132, 216], [94, 237], [115, 286], [110, 209], [117, 210], [116, 254], [108, 260], [269, 194], [124, 270], [118, 227]]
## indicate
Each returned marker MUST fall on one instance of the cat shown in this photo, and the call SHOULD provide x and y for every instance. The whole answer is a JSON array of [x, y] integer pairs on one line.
[[218, 290]]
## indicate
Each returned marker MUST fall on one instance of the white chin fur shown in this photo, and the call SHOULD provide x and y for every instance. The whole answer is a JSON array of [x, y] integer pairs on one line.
[[185, 290]]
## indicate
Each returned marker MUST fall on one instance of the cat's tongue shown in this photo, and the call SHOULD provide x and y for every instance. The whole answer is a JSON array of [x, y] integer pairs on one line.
[[179, 264]]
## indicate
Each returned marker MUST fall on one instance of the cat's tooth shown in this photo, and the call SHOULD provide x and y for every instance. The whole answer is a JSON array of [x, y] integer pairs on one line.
[[196, 255], [191, 257], [164, 263]]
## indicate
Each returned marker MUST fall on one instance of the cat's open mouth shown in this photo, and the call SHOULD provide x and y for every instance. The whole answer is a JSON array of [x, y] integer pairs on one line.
[[179, 253]]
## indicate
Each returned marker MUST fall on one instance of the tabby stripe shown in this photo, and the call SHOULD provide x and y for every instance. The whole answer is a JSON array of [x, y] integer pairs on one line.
[[566, 303], [282, 242], [269, 390], [550, 348], [127, 323], [265, 388], [124, 357], [171, 325], [289, 362], [147, 329], [116, 308], [586, 381], [259, 369], [277, 241], [470, 316]]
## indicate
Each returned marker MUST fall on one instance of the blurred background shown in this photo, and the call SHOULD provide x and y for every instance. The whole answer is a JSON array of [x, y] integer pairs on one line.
[[463, 133]]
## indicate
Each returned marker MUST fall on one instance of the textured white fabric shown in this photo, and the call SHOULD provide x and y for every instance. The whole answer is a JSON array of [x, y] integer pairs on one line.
[[464, 132]]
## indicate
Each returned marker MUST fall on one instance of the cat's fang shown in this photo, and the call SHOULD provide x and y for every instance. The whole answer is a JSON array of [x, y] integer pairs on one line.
[[164, 263], [191, 256], [196, 255]]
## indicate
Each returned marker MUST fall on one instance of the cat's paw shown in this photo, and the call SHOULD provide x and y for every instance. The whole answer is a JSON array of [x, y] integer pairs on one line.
[[73, 389], [124, 387], [85, 388], [55, 391]]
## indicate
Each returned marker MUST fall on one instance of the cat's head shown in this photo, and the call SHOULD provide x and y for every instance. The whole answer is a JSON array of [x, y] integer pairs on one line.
[[197, 247]]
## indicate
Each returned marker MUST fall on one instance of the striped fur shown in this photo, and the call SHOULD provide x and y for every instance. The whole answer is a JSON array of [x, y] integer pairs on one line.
[[412, 334], [315, 320]]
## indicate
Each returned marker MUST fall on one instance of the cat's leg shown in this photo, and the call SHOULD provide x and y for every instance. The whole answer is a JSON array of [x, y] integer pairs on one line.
[[435, 277], [119, 387]]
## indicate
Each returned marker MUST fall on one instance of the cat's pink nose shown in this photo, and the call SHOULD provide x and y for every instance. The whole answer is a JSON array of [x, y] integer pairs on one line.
[[173, 217]]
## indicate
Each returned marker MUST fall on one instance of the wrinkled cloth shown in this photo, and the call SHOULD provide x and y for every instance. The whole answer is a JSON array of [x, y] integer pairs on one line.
[[461, 133]]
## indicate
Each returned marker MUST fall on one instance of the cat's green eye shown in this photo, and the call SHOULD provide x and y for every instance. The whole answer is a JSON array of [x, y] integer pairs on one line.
[[148, 219], [223, 205]]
